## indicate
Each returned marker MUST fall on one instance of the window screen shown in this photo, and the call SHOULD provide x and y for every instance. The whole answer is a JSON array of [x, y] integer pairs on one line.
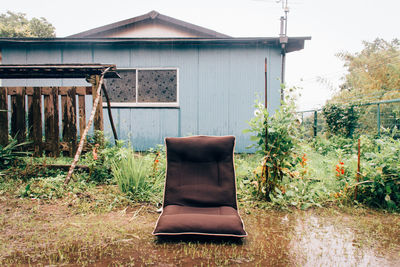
[[157, 86], [124, 89], [140, 86]]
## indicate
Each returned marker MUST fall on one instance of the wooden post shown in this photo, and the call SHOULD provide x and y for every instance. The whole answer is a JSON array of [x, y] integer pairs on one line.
[[35, 120], [3, 116], [51, 129], [68, 103], [358, 168], [18, 126], [315, 127], [82, 114], [98, 118]]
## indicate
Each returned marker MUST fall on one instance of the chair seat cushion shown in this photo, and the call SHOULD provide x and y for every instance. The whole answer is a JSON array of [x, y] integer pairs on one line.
[[216, 221]]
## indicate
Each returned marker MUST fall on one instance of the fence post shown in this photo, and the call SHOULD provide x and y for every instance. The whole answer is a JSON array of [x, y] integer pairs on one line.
[[378, 118], [315, 122]]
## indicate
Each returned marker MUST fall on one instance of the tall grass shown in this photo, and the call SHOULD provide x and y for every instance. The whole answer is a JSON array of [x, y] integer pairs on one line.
[[134, 176]]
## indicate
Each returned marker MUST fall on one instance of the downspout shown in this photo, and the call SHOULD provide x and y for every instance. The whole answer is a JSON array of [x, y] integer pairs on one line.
[[283, 40]]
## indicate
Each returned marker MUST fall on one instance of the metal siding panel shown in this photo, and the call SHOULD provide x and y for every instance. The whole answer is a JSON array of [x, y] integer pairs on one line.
[[44, 55], [214, 83], [216, 88], [274, 78], [186, 60], [76, 55], [247, 81], [149, 126], [11, 55], [114, 55]]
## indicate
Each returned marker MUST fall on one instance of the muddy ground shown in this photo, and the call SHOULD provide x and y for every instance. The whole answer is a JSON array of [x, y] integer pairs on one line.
[[36, 232]]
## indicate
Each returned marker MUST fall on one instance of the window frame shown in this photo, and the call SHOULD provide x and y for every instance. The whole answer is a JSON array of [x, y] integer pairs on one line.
[[147, 104]]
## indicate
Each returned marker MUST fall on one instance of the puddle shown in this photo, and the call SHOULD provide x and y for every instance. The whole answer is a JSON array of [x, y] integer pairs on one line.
[[326, 242], [323, 237]]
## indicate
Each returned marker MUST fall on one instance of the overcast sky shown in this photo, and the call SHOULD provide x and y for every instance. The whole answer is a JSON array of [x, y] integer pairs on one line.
[[335, 25]]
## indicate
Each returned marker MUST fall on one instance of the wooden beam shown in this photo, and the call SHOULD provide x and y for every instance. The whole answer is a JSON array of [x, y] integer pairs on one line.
[[80, 90], [98, 117], [3, 116], [35, 120], [18, 126], [68, 104], [52, 130]]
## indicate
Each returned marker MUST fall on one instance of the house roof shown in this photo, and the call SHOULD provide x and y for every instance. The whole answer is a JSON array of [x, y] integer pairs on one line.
[[152, 16], [293, 44]]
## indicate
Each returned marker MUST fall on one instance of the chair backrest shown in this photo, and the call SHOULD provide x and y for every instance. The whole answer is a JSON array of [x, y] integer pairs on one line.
[[200, 171]]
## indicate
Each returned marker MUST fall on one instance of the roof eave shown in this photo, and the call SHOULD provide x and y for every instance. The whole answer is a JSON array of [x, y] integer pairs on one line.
[[294, 43]]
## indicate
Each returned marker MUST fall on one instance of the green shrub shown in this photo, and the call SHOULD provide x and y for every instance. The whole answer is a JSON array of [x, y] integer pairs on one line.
[[333, 143], [341, 119], [380, 183], [101, 157], [282, 142]]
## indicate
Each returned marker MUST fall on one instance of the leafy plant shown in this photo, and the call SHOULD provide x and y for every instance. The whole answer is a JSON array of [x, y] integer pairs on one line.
[[100, 158], [51, 188], [341, 119], [380, 179], [281, 135], [11, 152]]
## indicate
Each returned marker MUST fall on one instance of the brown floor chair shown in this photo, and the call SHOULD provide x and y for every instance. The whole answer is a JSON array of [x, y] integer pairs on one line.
[[200, 188]]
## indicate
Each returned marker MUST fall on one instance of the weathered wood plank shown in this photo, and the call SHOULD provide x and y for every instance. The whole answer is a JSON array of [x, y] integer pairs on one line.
[[68, 104], [3, 116], [52, 130], [82, 114], [35, 111], [98, 117], [18, 120], [80, 90]]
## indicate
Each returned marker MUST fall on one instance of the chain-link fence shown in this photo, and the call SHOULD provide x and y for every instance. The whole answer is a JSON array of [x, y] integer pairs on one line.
[[374, 118]]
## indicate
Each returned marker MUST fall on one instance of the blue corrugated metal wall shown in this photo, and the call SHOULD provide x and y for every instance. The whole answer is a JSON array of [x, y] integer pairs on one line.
[[217, 87]]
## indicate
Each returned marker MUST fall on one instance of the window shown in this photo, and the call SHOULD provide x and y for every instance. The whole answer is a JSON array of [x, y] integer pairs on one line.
[[144, 88]]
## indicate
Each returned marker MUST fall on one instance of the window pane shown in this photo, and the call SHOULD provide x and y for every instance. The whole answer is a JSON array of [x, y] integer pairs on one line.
[[157, 86], [124, 89]]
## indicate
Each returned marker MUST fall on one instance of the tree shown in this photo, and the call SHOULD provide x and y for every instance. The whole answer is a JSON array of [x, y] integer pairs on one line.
[[17, 25], [373, 73]]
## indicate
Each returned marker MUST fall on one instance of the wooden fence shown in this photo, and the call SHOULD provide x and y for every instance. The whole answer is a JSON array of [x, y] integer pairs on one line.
[[30, 122]]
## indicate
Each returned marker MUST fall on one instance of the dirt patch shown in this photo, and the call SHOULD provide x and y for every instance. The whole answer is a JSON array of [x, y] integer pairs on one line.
[[43, 233]]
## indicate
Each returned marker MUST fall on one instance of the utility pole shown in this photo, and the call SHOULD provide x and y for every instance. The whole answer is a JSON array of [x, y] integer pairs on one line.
[[283, 40]]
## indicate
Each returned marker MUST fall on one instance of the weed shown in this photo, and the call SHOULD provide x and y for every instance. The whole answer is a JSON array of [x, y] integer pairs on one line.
[[137, 175]]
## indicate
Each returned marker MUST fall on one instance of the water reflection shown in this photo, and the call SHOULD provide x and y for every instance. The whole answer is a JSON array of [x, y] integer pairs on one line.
[[322, 241]]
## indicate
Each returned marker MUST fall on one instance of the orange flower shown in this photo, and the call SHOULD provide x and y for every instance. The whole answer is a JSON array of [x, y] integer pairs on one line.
[[94, 152]]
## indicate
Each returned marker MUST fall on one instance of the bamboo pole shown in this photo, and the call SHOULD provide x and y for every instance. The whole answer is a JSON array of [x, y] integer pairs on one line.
[[358, 168], [265, 167], [85, 132]]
